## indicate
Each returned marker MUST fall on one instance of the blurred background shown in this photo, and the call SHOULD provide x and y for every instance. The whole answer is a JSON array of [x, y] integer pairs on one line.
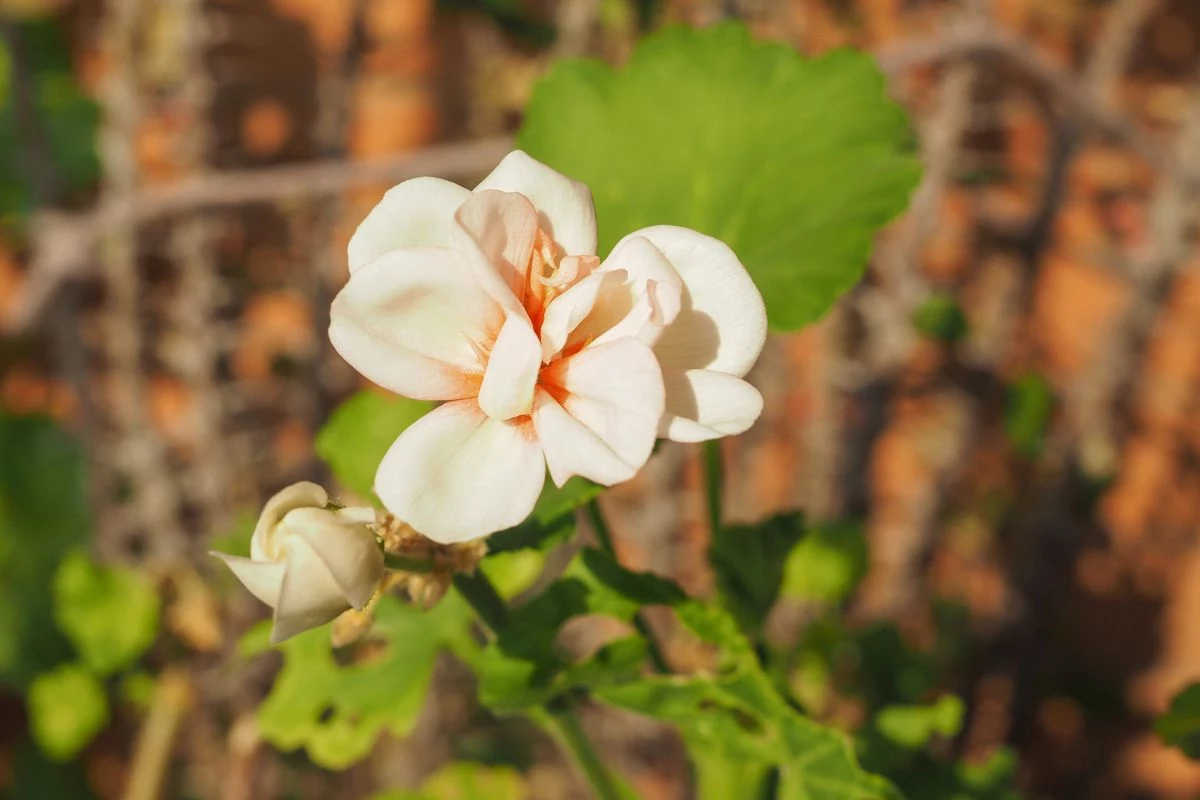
[[1003, 416]]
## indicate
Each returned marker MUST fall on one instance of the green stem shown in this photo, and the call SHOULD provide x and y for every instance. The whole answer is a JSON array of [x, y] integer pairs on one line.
[[567, 726], [482, 596], [604, 536], [406, 564], [714, 472]]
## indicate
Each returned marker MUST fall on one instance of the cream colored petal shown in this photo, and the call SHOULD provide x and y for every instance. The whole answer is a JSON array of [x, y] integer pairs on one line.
[[264, 579], [723, 323], [457, 474], [565, 208], [503, 225], [309, 597], [413, 322], [565, 312], [614, 390], [512, 370], [572, 448], [702, 404], [416, 213], [263, 544], [349, 550]]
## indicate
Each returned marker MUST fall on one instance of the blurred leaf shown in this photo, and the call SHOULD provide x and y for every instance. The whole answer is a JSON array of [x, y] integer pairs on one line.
[[941, 318], [827, 564], [67, 708], [109, 613], [465, 781], [359, 433], [236, 541], [1027, 416], [793, 162], [1180, 726], [67, 120], [913, 726], [337, 711], [38, 778], [43, 514], [720, 776], [749, 561]]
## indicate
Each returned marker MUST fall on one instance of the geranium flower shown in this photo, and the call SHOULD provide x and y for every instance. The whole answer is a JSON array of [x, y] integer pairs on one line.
[[308, 562], [494, 302]]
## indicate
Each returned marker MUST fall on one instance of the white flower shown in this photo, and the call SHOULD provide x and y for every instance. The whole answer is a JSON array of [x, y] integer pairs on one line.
[[494, 302], [309, 563]]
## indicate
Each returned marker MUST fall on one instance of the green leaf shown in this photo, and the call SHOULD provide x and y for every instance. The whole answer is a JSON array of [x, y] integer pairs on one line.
[[1180, 726], [43, 514], [749, 562], [337, 711], [464, 781], [941, 318], [552, 520], [912, 727], [793, 162], [359, 433], [1027, 415], [827, 564], [67, 708], [110, 614]]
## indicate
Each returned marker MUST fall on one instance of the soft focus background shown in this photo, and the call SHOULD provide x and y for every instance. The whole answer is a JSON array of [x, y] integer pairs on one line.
[[1002, 417]]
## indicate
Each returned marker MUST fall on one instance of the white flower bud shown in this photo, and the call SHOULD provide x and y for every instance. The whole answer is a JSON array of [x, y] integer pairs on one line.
[[309, 563]]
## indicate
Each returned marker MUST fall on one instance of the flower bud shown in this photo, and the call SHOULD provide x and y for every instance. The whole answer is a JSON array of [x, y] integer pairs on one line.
[[308, 562]]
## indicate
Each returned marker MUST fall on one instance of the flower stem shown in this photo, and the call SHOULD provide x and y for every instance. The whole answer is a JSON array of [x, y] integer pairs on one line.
[[604, 536], [406, 564], [481, 595], [566, 725], [714, 474]]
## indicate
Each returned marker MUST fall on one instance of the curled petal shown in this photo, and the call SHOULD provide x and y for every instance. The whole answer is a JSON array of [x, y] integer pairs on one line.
[[648, 301], [565, 208], [348, 550], [264, 545], [653, 310], [264, 579], [503, 225], [413, 322], [565, 312], [310, 595], [416, 213], [722, 325], [457, 474], [512, 370], [703, 404], [613, 390]]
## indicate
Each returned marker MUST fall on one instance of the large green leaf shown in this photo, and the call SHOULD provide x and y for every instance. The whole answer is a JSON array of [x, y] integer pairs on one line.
[[67, 708], [110, 614], [794, 162]]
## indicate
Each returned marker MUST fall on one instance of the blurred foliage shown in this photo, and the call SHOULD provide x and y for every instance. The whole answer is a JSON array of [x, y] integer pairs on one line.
[[463, 781], [826, 564], [750, 563], [67, 707], [793, 162], [1027, 414], [1180, 726], [941, 318], [61, 116], [110, 614], [359, 433]]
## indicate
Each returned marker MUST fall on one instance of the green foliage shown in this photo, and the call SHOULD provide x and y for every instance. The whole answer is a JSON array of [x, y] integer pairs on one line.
[[1027, 415], [336, 711], [826, 564], [43, 514], [793, 162], [464, 781], [749, 561], [110, 614], [1180, 726], [913, 726], [941, 318], [67, 708], [67, 120], [552, 520], [359, 433]]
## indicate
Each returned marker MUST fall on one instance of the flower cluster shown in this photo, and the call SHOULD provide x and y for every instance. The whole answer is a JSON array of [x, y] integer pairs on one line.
[[545, 359]]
